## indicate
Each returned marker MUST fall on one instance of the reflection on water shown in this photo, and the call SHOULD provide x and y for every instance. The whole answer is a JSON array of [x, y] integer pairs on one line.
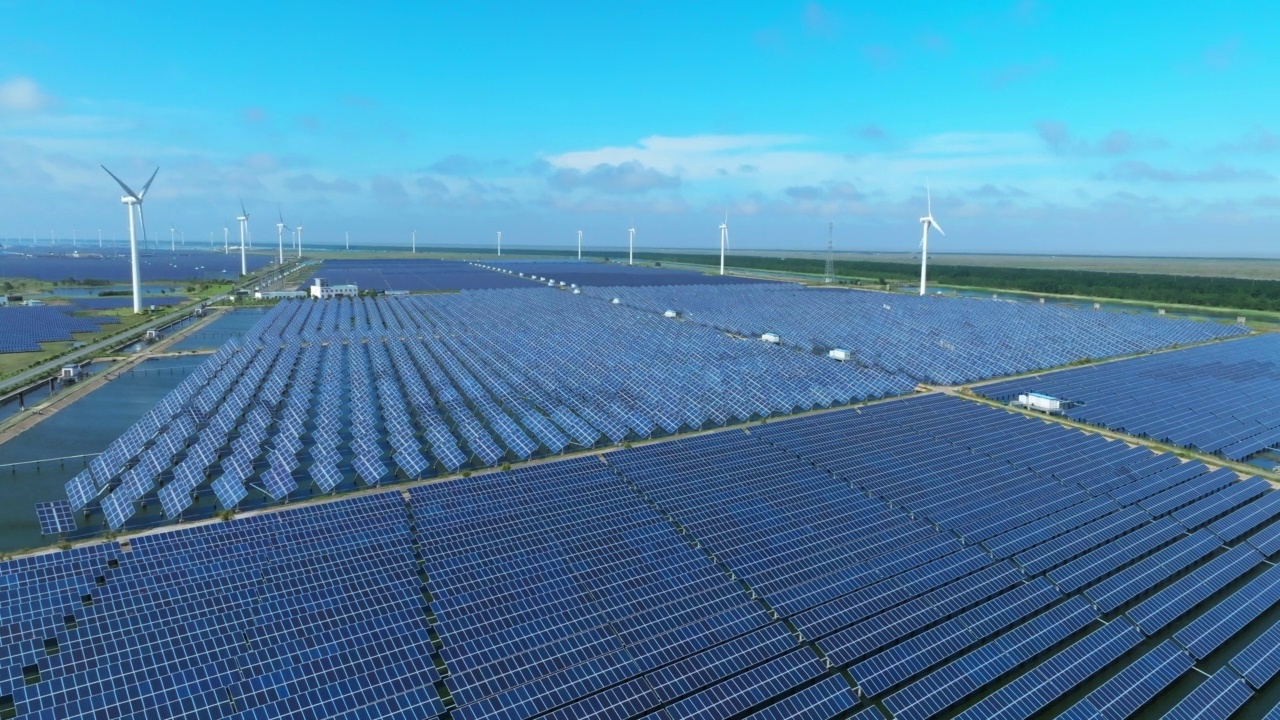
[[233, 323]]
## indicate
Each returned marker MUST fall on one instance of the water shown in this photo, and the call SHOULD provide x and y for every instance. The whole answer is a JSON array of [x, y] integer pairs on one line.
[[233, 323], [87, 426]]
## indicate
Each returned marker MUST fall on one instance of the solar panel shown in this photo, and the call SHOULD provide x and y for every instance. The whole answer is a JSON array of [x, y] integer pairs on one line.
[[1218, 697], [117, 509], [1045, 683], [325, 475], [1260, 661], [1222, 621], [1173, 601], [229, 491], [1128, 690], [278, 482], [55, 517]]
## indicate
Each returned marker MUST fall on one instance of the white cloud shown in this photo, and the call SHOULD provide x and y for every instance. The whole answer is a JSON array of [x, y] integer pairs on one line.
[[22, 95]]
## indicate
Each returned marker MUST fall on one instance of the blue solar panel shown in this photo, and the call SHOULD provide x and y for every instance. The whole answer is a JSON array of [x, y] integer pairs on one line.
[[1218, 697], [1106, 559], [55, 517], [827, 699], [1045, 683], [1145, 574], [1128, 690], [1260, 661], [1222, 621], [952, 683], [1173, 601], [1233, 383]]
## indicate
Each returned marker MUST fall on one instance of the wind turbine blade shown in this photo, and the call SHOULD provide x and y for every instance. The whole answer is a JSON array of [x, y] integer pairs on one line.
[[936, 226], [147, 187], [243, 213], [928, 196], [127, 191], [142, 219]]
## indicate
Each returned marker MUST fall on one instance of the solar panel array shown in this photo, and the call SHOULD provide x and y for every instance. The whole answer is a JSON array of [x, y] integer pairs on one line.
[[114, 265], [948, 556], [413, 275], [406, 387], [314, 612], [22, 329], [584, 273], [1222, 398], [940, 340]]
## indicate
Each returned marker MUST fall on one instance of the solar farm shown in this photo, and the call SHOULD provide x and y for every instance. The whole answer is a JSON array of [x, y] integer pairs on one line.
[[947, 341], [22, 329], [575, 272], [669, 543], [157, 265], [1216, 399], [451, 275]]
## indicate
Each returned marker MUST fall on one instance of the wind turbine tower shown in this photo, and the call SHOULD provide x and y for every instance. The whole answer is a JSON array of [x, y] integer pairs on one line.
[[348, 236], [631, 244], [299, 242], [724, 239], [132, 200], [926, 222], [226, 247], [499, 243], [829, 276], [244, 229], [579, 244], [171, 234], [413, 241], [280, 228]]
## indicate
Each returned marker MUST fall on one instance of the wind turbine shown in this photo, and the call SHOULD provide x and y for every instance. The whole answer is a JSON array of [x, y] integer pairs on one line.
[[499, 243], [631, 243], [132, 200], [579, 244], [927, 221], [171, 233], [99, 238], [413, 241], [226, 247], [299, 242], [348, 234], [280, 228], [724, 239], [244, 229]]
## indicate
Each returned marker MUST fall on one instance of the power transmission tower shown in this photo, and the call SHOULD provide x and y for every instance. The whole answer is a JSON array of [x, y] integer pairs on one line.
[[830, 275]]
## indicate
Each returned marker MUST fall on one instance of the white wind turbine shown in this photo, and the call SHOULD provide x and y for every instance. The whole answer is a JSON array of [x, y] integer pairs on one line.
[[724, 239], [132, 200], [631, 244], [280, 228], [926, 222], [348, 236], [413, 241], [299, 237], [226, 247], [579, 244], [244, 229], [172, 233], [499, 243]]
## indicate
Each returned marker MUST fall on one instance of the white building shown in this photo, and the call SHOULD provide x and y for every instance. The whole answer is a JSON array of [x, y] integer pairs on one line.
[[321, 288]]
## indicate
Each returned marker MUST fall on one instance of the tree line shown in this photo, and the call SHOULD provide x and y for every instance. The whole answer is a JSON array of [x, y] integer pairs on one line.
[[1217, 292]]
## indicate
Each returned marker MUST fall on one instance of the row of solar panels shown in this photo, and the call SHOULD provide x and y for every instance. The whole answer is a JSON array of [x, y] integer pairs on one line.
[[939, 340], [1220, 398], [567, 588], [439, 398], [931, 548]]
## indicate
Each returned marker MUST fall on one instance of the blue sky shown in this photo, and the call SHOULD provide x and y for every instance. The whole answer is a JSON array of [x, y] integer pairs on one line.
[[1083, 127]]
